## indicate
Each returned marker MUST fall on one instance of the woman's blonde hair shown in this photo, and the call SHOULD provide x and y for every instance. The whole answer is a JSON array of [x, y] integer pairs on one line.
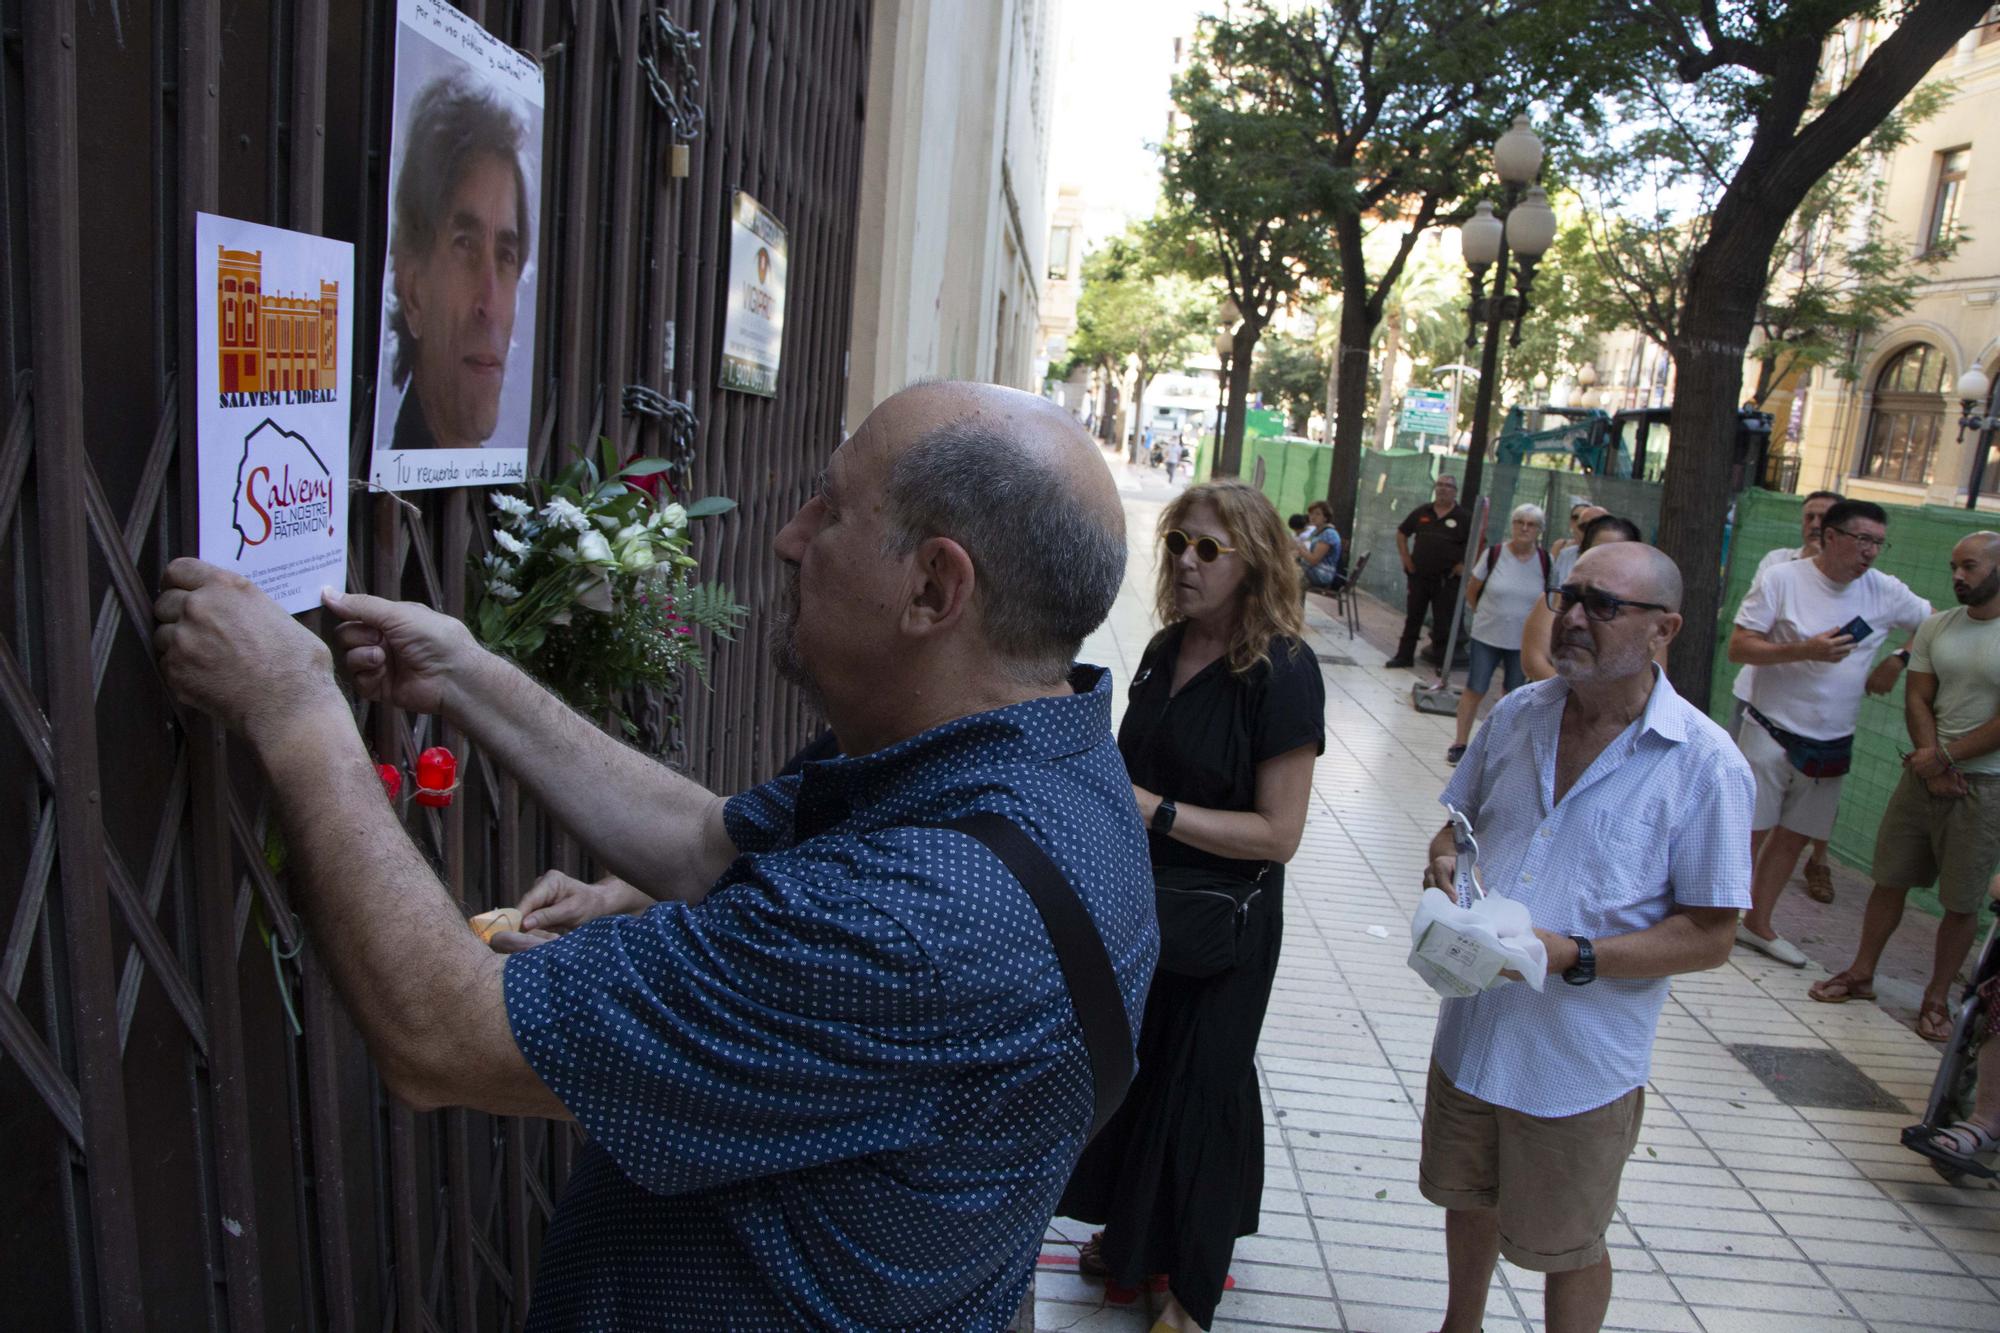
[[1272, 578]]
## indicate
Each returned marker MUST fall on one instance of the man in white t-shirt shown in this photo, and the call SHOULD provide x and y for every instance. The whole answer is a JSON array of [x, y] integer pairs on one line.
[[1942, 823], [1810, 627], [1818, 874]]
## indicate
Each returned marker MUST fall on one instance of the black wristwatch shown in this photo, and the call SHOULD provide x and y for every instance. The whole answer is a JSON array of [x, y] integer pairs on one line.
[[1163, 817], [1902, 655], [1585, 969]]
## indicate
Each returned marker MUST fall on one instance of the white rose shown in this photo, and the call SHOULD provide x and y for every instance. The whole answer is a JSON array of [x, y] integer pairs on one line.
[[591, 548], [595, 595], [636, 556], [674, 516]]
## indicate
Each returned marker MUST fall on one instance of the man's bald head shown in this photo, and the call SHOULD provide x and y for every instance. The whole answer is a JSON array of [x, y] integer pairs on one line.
[[1017, 482], [1635, 571], [1975, 569]]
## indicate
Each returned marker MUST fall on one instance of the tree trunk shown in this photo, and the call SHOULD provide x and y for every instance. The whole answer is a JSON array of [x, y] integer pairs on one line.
[[1716, 321], [1385, 401], [1357, 330], [1229, 462], [1726, 281]]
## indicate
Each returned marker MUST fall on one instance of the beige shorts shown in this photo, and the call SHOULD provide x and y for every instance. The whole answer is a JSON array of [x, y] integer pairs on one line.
[[1786, 798], [1953, 842], [1554, 1182]]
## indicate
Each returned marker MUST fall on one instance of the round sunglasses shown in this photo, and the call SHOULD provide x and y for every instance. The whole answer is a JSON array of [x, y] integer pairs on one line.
[[1206, 549]]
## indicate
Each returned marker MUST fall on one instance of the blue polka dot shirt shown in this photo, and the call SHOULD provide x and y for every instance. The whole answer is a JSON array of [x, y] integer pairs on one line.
[[846, 1088]]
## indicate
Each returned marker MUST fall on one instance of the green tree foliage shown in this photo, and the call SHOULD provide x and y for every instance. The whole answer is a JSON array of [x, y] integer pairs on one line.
[[1290, 373], [1395, 104], [1236, 208], [1774, 95], [1131, 314], [1833, 278]]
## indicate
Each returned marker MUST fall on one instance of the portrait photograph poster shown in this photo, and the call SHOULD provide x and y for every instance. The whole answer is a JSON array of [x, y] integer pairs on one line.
[[274, 329], [455, 383]]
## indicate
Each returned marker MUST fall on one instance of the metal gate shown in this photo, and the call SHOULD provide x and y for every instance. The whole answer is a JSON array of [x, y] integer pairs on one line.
[[178, 1157]]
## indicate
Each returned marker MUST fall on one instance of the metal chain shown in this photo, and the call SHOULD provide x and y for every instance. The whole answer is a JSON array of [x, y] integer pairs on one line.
[[674, 47], [676, 421]]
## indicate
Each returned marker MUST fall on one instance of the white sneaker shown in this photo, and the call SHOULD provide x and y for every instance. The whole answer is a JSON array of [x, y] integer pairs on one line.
[[1776, 947]]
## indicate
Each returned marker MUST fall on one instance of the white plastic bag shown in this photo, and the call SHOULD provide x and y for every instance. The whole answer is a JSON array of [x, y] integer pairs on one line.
[[1460, 951]]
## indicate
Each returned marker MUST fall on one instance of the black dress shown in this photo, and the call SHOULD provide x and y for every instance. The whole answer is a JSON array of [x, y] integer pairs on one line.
[[1178, 1173]]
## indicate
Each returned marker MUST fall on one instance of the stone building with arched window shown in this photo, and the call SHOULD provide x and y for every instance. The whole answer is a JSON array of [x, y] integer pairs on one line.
[[1891, 434]]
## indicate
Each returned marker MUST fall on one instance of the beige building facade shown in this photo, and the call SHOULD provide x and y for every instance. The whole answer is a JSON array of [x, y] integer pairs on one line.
[[1892, 435], [949, 265]]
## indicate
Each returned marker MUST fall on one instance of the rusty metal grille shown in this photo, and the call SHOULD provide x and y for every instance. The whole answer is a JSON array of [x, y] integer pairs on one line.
[[179, 1158]]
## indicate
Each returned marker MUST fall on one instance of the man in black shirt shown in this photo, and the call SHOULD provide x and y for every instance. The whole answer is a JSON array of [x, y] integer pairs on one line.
[[1432, 542]]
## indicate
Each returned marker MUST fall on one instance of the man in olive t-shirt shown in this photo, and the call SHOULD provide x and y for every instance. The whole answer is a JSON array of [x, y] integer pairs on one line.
[[1942, 823]]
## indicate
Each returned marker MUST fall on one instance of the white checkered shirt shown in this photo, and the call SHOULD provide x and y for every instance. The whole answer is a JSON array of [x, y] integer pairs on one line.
[[1660, 819]]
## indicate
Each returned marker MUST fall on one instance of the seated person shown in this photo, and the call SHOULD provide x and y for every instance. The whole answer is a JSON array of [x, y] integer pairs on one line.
[[1320, 553]]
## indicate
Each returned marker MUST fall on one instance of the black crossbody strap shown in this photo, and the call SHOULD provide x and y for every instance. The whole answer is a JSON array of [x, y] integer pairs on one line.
[[1086, 967]]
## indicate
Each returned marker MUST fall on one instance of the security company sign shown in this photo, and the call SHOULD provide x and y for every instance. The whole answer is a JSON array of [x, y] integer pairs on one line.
[[753, 329], [275, 326]]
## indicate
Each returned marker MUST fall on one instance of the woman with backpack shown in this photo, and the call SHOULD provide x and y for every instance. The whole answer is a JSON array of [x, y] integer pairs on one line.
[[1503, 586]]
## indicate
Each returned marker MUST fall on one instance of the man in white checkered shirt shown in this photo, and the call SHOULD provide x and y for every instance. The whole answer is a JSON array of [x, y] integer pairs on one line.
[[1620, 816]]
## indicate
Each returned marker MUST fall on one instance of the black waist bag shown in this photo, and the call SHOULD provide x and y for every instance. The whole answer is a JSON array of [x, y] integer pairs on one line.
[[1203, 917], [1815, 759]]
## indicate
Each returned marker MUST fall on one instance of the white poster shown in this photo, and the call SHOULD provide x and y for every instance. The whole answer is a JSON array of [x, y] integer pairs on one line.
[[274, 321], [753, 331], [456, 378]]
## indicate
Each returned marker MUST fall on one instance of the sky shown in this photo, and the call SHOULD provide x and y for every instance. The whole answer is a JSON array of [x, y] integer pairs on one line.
[[1112, 72]]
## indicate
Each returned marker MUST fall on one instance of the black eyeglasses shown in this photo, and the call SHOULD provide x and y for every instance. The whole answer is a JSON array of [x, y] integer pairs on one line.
[[1206, 549], [1597, 604], [1865, 543]]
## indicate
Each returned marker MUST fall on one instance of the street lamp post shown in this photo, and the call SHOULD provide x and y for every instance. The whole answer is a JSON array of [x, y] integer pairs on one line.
[[1973, 388], [1225, 347], [1524, 229]]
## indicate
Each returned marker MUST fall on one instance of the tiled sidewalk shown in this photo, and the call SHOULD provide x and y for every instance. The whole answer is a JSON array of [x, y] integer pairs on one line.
[[1738, 1211]]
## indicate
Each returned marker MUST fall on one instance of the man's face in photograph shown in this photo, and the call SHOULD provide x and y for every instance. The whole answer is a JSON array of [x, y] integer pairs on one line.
[[459, 302]]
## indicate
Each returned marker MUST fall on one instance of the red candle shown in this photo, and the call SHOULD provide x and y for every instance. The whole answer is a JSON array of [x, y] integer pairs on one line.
[[392, 780], [437, 776]]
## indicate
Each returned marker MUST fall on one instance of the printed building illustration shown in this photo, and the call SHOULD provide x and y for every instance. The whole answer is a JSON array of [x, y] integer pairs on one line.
[[268, 342]]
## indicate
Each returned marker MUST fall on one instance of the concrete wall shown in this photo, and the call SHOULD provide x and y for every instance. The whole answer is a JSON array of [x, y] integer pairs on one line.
[[948, 265], [1959, 309]]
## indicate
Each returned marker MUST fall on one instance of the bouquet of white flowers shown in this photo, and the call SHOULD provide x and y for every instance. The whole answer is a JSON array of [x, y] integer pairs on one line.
[[587, 587]]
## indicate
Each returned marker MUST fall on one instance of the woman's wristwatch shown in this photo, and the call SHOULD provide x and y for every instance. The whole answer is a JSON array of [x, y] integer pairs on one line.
[[1902, 655], [1163, 817]]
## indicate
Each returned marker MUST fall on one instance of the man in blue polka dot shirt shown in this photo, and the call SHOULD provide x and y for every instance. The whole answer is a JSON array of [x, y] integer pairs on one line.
[[824, 1054]]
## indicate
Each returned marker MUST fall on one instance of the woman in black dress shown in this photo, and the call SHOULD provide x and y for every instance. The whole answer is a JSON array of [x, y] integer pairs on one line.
[[1226, 715]]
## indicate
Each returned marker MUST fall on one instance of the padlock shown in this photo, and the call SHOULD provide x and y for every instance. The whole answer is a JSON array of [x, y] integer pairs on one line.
[[677, 161]]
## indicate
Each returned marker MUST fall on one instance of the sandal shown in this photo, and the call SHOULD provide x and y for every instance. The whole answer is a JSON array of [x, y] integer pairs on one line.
[[1819, 881], [1842, 987], [1934, 1022], [1090, 1257], [1965, 1139]]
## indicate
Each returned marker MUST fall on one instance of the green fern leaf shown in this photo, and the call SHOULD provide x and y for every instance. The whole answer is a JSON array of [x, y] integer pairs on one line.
[[709, 606]]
